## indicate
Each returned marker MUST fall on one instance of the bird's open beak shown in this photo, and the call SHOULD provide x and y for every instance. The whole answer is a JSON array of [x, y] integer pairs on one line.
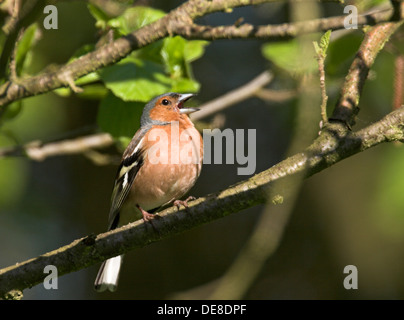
[[185, 97]]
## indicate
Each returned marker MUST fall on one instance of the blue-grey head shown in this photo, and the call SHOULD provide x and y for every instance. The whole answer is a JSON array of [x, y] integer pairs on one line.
[[166, 108]]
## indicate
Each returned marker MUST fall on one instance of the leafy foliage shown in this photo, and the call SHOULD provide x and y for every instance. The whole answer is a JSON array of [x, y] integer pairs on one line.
[[161, 67], [321, 48]]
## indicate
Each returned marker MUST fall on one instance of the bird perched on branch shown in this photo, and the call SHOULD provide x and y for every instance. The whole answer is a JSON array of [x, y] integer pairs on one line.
[[160, 165]]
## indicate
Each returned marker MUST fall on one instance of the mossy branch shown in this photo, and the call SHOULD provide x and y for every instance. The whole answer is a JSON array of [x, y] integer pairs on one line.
[[375, 38]]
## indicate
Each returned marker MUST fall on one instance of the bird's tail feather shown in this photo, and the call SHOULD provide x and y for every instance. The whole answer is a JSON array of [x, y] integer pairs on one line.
[[107, 277]]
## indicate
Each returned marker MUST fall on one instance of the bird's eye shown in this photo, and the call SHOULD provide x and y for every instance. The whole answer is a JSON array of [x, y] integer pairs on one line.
[[165, 102]]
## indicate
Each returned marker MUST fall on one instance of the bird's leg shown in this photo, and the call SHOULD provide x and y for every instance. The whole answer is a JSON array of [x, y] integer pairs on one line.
[[146, 216], [178, 203]]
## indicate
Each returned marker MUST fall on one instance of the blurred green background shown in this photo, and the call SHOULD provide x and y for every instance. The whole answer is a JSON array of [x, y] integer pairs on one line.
[[350, 214]]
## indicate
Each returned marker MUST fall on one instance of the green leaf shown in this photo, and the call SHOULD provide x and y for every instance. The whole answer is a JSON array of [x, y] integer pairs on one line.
[[24, 46], [177, 54], [194, 49], [172, 53], [288, 55], [185, 85], [321, 49], [134, 18], [63, 92], [88, 78], [118, 117], [136, 80], [12, 110], [93, 91], [152, 52], [99, 15], [325, 41], [317, 48], [341, 52]]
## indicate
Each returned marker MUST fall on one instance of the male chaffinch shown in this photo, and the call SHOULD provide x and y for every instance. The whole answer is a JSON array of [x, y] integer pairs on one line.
[[160, 165]]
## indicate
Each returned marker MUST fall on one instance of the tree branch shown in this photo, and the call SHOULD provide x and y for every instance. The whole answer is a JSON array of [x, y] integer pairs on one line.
[[333, 145], [36, 150], [277, 32], [178, 22], [115, 51], [234, 96], [348, 105]]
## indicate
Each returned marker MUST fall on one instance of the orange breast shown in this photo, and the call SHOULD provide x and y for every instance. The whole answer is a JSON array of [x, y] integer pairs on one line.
[[173, 162]]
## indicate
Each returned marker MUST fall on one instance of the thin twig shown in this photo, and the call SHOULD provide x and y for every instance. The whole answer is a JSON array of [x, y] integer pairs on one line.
[[272, 95], [235, 96], [277, 32], [39, 151], [324, 98]]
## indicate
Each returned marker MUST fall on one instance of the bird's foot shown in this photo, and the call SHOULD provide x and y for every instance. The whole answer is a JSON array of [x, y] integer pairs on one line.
[[147, 217], [179, 203]]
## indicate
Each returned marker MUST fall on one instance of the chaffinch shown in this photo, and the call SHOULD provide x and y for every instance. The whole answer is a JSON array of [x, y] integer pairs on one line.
[[160, 165]]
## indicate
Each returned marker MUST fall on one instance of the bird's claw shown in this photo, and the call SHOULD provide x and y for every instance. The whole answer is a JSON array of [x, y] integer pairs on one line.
[[147, 217], [184, 203]]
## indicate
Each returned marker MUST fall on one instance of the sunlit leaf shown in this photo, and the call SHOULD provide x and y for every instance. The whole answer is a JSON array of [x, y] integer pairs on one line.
[[99, 15], [24, 46], [136, 80], [325, 40], [288, 55], [185, 85], [173, 56], [134, 18], [194, 49]]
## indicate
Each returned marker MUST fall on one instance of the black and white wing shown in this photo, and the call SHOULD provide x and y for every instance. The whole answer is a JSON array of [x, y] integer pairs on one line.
[[132, 161]]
